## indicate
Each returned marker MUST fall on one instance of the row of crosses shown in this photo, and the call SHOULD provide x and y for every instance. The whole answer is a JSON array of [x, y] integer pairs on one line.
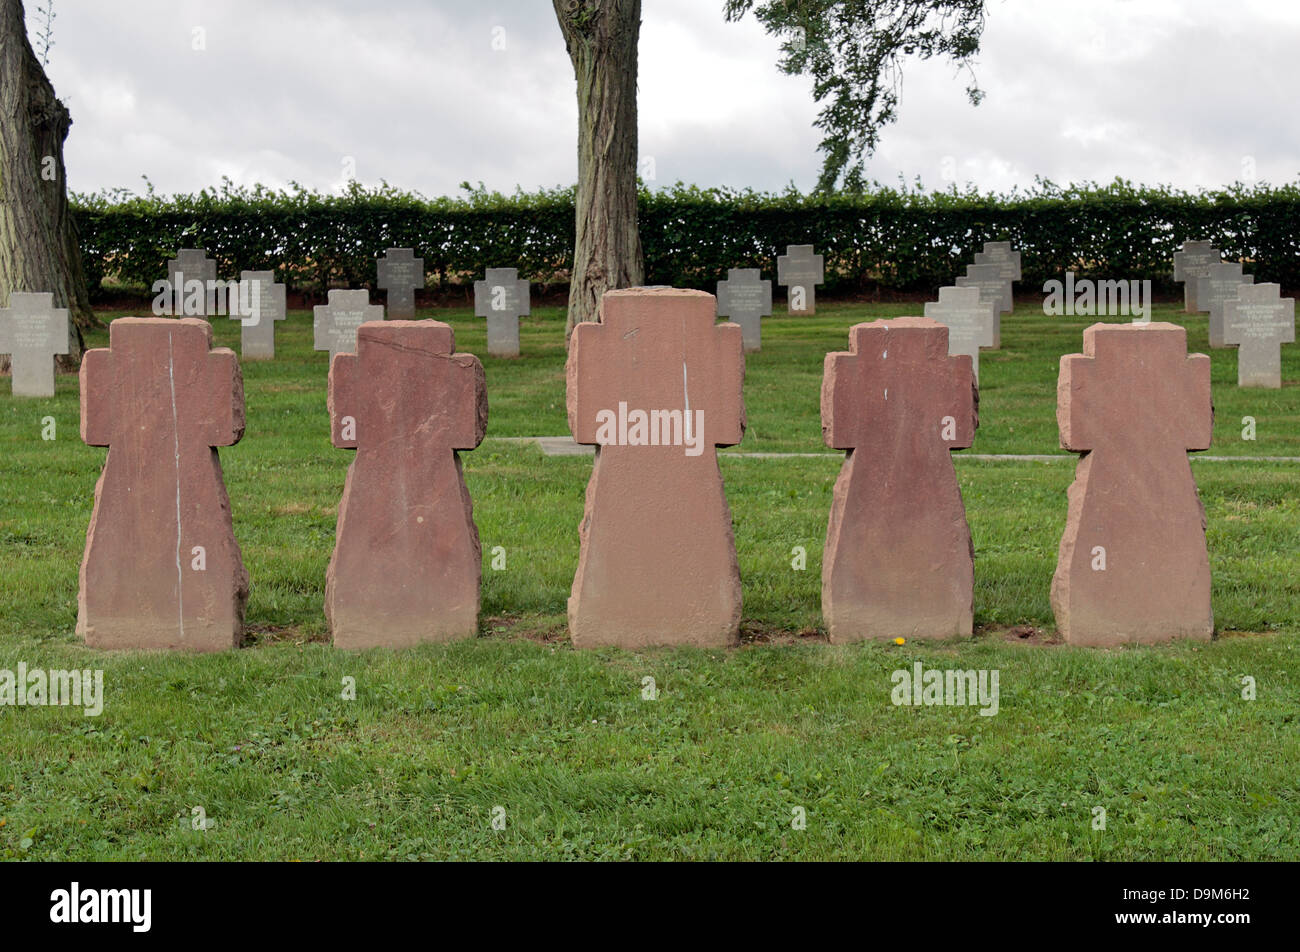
[[657, 560]]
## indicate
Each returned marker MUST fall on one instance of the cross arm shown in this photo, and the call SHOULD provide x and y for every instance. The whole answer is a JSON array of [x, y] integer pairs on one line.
[[341, 399], [96, 380], [470, 400], [225, 395]]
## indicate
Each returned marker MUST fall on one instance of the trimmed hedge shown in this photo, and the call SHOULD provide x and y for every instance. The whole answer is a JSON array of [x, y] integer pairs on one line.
[[894, 239]]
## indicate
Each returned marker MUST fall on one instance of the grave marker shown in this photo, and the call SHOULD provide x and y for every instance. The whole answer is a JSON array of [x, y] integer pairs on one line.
[[400, 274], [898, 560], [999, 253], [800, 271], [406, 562], [970, 322], [746, 299], [994, 289], [32, 331], [1132, 565], [162, 569], [334, 325], [257, 332], [656, 386], [1217, 285], [502, 297], [192, 264], [1259, 320], [1191, 263]]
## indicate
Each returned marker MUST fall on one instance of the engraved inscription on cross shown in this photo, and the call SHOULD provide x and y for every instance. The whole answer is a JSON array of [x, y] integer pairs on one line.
[[257, 331], [800, 271], [969, 320], [193, 264], [32, 331], [994, 289], [502, 298], [1191, 262], [746, 299], [334, 325], [400, 274], [1259, 320], [1220, 283], [999, 253]]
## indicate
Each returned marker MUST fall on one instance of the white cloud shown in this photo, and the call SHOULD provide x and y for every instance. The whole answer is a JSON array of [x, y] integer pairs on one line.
[[1154, 91]]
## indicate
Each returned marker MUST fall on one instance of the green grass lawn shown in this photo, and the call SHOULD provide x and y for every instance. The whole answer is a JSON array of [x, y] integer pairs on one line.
[[563, 741]]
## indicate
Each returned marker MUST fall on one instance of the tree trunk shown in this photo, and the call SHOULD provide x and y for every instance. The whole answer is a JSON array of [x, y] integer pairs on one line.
[[38, 238], [601, 36]]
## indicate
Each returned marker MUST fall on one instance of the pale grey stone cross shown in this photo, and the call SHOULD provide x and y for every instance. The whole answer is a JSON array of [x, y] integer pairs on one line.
[[400, 273], [32, 331], [1191, 262], [1219, 284], [192, 264], [502, 297], [746, 299], [970, 321], [800, 271], [1000, 254], [994, 289], [257, 331], [1259, 321], [334, 325]]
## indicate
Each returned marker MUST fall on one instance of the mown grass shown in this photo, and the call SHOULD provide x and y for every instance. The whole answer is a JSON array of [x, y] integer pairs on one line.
[[583, 766]]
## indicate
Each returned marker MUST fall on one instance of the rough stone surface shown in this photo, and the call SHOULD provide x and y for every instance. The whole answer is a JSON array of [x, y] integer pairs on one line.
[[746, 299], [161, 399], [800, 271], [334, 325], [1134, 403], [898, 560], [406, 564], [400, 274], [32, 331], [1218, 285], [502, 297], [1191, 262], [994, 289], [257, 333], [1259, 321], [657, 563], [970, 322]]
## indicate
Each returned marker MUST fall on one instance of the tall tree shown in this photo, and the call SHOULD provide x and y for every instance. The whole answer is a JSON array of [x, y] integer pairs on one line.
[[38, 238], [601, 36], [853, 49]]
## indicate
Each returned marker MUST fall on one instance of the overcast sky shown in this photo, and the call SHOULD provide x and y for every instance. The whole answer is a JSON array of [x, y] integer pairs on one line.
[[1193, 93]]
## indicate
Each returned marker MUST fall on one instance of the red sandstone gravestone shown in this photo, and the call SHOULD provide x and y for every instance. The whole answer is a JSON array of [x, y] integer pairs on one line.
[[657, 386], [1133, 565], [406, 564], [162, 568], [898, 558]]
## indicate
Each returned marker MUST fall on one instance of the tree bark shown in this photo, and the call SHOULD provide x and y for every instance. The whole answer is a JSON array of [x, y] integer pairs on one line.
[[602, 36], [38, 237]]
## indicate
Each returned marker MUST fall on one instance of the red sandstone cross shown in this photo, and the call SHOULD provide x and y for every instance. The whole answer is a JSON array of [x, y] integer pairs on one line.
[[658, 560], [406, 403], [1132, 563], [161, 400], [897, 559]]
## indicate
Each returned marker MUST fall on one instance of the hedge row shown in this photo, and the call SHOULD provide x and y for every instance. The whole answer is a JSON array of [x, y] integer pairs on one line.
[[894, 239]]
